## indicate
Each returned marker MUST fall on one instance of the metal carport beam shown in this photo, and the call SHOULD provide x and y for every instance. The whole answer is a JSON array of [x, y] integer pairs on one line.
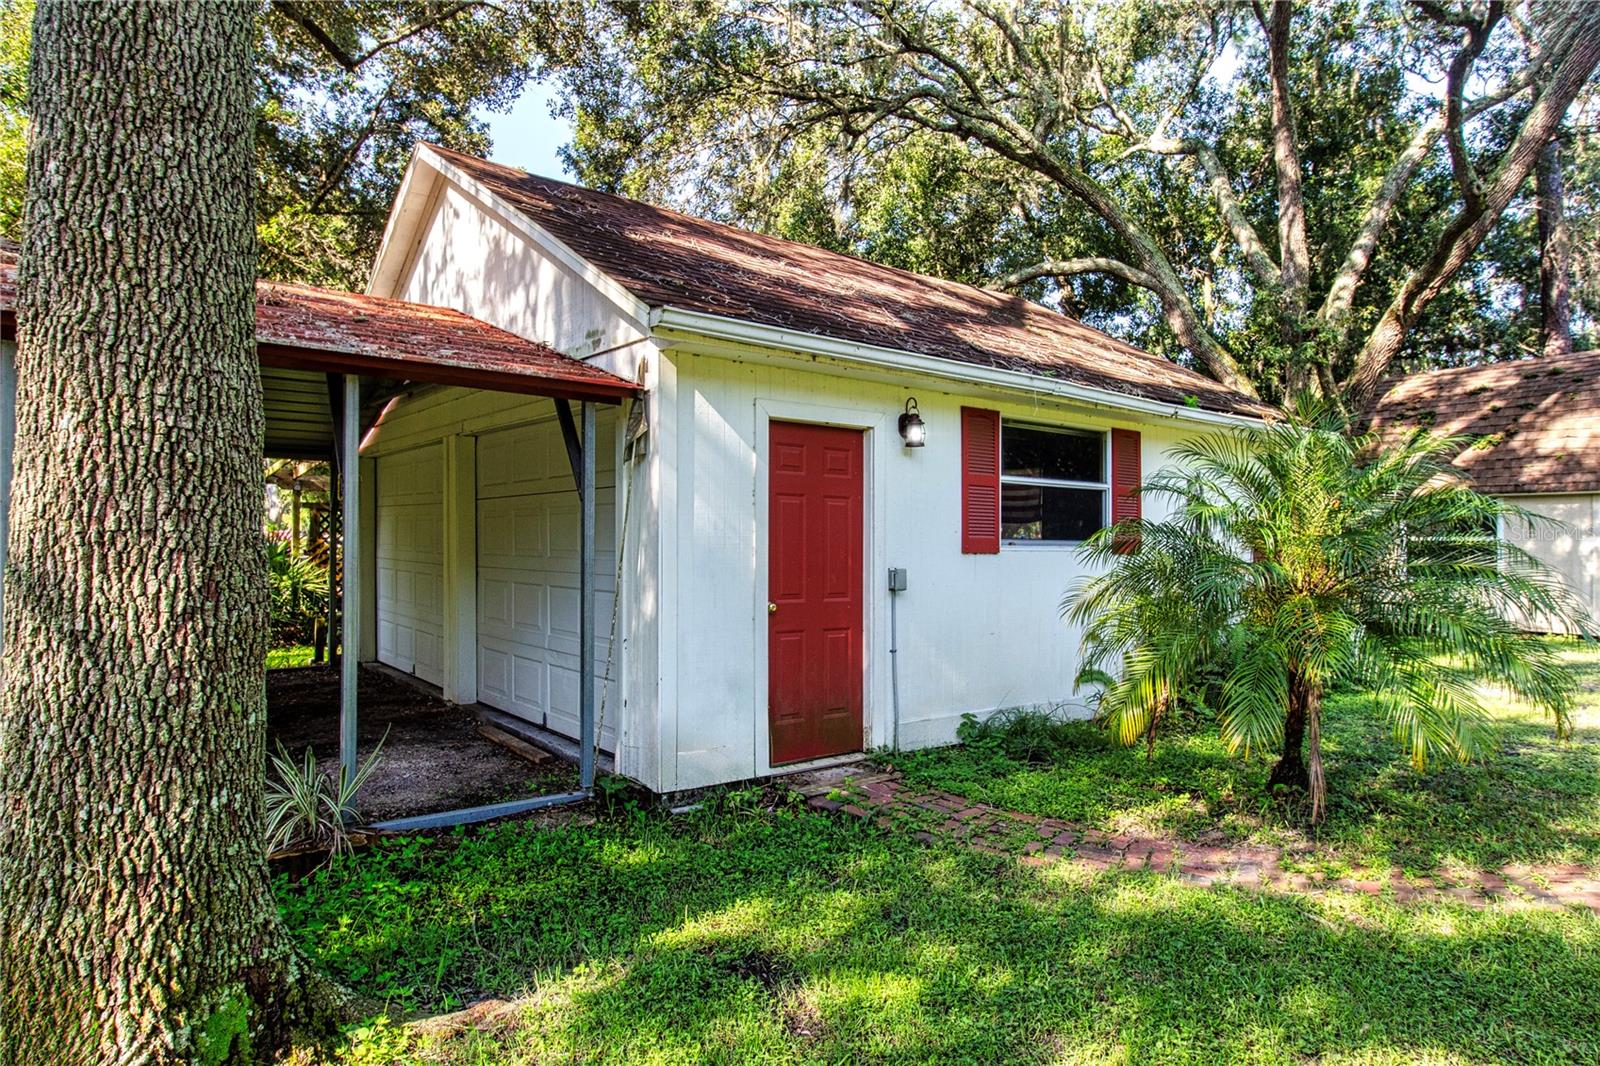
[[349, 454], [580, 453], [586, 724]]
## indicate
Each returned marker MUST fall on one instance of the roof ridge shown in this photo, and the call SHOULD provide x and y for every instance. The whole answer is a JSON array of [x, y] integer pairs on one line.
[[704, 221], [670, 258], [1000, 298]]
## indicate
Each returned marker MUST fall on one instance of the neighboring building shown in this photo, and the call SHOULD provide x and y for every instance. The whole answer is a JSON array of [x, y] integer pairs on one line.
[[1534, 431]]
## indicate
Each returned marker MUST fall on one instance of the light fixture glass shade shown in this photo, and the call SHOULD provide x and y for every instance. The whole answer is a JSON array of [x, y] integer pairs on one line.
[[912, 429]]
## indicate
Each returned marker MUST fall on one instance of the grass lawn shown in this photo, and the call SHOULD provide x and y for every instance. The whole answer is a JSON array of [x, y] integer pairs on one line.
[[787, 936], [297, 655], [759, 931], [1537, 801]]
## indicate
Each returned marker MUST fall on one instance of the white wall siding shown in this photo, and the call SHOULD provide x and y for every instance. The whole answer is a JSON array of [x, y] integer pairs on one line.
[[976, 632], [1570, 544], [471, 259]]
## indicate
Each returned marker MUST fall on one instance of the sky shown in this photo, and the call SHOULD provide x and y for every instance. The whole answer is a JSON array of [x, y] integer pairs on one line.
[[527, 137]]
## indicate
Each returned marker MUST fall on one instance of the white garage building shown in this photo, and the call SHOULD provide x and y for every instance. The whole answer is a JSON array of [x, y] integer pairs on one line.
[[767, 490]]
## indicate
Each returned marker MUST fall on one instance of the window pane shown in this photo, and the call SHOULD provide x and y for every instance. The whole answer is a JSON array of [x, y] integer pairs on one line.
[[1040, 512], [1070, 455]]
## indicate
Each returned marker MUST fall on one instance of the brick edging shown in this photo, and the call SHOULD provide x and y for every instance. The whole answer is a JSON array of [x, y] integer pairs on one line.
[[883, 797]]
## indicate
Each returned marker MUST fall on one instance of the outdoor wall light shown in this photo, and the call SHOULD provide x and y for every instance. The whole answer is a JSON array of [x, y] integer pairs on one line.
[[912, 429]]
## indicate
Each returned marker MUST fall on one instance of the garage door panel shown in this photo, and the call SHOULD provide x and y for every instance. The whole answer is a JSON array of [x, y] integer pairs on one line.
[[527, 607], [410, 568], [494, 605], [563, 713], [528, 532], [564, 524], [494, 675], [510, 680], [528, 683], [494, 537], [532, 460]]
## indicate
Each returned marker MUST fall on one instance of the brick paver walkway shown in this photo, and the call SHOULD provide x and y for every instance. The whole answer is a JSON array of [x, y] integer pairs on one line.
[[930, 816]]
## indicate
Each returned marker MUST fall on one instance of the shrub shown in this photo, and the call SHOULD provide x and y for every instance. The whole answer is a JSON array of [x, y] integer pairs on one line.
[[1298, 559], [1029, 734], [299, 595]]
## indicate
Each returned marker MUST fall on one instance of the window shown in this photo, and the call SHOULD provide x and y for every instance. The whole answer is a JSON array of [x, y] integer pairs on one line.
[[1053, 484]]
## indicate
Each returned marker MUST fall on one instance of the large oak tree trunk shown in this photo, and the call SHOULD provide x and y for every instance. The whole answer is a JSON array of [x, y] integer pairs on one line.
[[138, 925]]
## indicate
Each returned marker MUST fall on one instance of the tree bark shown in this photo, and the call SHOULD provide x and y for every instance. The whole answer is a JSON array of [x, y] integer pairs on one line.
[[1294, 251], [1299, 768], [1555, 256], [137, 923], [1317, 781], [1291, 772]]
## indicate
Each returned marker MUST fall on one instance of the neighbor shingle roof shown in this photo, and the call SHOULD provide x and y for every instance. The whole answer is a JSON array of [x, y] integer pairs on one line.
[[1535, 422], [300, 325], [669, 259]]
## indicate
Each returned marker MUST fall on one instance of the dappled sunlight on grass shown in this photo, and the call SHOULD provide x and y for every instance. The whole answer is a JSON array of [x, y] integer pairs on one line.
[[1535, 800], [283, 658], [792, 937], [780, 936]]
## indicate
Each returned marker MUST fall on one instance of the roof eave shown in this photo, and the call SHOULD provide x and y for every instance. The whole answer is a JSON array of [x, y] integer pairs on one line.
[[718, 327], [344, 361]]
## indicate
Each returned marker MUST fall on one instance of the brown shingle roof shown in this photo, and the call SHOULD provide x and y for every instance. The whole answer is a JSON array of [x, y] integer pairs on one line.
[[1535, 422], [669, 259], [325, 329]]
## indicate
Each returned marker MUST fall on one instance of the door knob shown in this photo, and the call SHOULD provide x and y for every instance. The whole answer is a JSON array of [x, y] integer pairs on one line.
[[772, 608]]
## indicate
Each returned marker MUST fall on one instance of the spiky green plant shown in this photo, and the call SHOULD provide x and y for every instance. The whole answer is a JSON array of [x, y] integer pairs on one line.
[[309, 808], [1298, 556]]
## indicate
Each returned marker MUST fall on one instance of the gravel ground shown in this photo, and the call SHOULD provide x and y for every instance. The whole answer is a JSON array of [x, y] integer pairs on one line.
[[434, 758]]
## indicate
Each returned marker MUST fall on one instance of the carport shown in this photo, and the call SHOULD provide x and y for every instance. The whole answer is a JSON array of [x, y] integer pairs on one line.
[[330, 362]]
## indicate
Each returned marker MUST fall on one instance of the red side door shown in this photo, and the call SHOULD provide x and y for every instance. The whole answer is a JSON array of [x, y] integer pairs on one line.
[[814, 613]]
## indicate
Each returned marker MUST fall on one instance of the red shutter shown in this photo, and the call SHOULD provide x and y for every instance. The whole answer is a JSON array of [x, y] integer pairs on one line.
[[1126, 475], [980, 481]]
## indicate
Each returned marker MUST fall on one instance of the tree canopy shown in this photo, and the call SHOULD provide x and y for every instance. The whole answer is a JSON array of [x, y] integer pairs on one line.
[[343, 90], [1280, 196], [1284, 197]]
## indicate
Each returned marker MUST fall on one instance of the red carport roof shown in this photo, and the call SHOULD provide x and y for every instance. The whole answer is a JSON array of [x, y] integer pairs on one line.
[[307, 328]]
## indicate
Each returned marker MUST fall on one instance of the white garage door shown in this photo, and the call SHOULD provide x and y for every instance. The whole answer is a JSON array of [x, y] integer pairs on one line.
[[410, 562], [528, 577]]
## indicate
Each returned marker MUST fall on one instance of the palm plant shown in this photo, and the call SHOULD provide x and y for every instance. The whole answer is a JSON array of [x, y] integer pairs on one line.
[[1298, 556], [298, 594]]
